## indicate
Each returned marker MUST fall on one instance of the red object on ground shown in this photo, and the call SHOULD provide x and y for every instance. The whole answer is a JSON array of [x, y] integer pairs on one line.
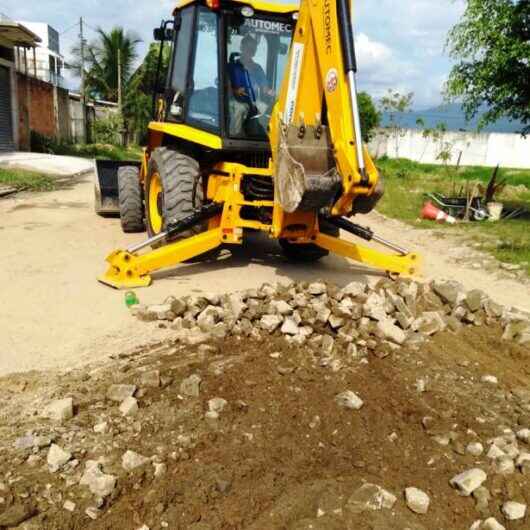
[[432, 213]]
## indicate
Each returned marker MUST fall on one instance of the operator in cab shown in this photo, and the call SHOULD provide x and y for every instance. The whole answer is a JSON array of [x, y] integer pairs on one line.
[[250, 89]]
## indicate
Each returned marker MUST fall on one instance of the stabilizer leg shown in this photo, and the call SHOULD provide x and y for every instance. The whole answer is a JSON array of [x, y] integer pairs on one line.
[[402, 264], [127, 269]]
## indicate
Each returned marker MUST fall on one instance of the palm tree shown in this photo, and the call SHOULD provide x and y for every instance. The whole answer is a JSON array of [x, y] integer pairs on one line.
[[102, 59]]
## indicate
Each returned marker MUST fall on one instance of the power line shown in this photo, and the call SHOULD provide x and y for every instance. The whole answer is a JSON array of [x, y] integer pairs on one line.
[[75, 25]]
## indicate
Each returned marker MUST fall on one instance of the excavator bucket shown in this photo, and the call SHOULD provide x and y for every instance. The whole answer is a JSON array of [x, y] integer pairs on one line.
[[106, 185]]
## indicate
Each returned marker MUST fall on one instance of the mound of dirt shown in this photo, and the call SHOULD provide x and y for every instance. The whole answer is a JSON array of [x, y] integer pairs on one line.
[[258, 432]]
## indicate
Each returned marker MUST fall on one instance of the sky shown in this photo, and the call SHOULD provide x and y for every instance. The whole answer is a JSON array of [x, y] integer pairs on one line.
[[400, 44]]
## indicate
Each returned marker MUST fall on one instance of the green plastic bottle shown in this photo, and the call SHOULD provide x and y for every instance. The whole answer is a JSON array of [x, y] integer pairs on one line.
[[131, 299]]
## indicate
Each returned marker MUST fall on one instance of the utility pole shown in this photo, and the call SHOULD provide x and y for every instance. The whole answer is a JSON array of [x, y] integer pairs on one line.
[[83, 90], [120, 97], [120, 101]]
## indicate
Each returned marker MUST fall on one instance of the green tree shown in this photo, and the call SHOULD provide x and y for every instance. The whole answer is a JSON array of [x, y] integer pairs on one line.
[[138, 103], [492, 46], [370, 116]]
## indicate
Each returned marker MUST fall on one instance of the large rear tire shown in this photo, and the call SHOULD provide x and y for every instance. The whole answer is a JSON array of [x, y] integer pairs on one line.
[[173, 190], [308, 253], [130, 200]]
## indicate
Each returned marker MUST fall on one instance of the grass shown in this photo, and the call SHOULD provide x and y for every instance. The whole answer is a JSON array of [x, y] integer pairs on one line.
[[26, 180], [406, 182], [99, 151]]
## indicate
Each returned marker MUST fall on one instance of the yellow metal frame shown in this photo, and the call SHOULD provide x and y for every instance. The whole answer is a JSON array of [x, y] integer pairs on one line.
[[127, 270]]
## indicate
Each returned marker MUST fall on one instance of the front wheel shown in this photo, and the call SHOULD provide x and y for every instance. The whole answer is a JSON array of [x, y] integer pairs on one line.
[[173, 191]]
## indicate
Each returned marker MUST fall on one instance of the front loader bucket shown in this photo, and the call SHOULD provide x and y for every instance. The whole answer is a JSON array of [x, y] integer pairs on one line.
[[106, 185]]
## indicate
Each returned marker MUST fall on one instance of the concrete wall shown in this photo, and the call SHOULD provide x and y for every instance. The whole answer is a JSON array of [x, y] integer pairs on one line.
[[507, 150]]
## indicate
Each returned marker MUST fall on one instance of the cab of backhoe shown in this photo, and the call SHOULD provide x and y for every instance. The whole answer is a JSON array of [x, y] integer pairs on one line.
[[227, 63]]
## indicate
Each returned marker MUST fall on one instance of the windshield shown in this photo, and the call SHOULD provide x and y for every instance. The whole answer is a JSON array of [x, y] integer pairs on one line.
[[257, 49]]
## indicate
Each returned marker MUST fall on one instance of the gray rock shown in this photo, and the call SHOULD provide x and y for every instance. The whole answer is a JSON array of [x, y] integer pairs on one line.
[[289, 326], [92, 512], [191, 385], [475, 448], [131, 460], [370, 497], [150, 378], [488, 524], [524, 435], [57, 457], [120, 392], [270, 323], [482, 497], [217, 404], [60, 410], [317, 288], [516, 330], [281, 307], [513, 511], [451, 292], [468, 481], [129, 406], [354, 289], [349, 400], [16, 514], [374, 307], [391, 332], [417, 500], [504, 465], [490, 379], [162, 311], [100, 484], [69, 506], [475, 300]]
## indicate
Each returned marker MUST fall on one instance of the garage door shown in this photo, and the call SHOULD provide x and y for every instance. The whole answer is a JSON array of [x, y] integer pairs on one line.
[[6, 122]]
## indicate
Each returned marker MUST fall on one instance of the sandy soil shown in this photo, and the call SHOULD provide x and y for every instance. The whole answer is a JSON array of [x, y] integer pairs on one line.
[[55, 314]]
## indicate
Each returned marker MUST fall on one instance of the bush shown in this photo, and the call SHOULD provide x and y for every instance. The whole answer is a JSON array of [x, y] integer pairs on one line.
[[108, 130]]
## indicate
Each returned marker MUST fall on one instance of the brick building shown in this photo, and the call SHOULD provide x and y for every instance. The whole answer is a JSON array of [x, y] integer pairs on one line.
[[15, 41], [31, 100]]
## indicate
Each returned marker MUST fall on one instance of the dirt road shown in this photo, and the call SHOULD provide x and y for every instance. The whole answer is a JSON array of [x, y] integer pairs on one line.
[[54, 313]]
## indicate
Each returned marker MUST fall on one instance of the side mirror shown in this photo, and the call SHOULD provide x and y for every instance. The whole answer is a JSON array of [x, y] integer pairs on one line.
[[163, 34]]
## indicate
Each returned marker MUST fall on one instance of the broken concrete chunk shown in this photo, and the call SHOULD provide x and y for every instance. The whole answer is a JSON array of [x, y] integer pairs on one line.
[[191, 385], [391, 332], [150, 378], [349, 400], [270, 322], [120, 392], [57, 457], [475, 299], [513, 511], [131, 460], [468, 481], [317, 288], [129, 406], [451, 292], [370, 497], [60, 410], [97, 482]]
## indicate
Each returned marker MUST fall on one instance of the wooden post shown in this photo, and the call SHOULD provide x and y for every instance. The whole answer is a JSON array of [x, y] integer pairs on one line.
[[34, 62]]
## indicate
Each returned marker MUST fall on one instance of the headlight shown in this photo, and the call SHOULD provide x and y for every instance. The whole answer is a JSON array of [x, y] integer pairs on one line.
[[295, 16], [247, 11]]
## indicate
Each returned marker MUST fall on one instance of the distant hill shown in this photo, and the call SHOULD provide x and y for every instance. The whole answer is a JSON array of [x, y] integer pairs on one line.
[[453, 116]]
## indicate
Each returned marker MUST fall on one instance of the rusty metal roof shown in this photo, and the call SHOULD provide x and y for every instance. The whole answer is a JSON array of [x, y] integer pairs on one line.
[[17, 34]]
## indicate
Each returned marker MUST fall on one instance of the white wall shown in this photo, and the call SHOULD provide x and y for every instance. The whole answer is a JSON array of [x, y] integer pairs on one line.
[[507, 150]]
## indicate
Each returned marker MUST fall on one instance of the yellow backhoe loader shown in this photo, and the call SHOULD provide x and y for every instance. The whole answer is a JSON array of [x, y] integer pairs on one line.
[[256, 127]]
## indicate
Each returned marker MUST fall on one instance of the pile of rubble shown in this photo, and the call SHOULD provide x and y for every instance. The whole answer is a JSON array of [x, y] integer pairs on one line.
[[261, 391], [355, 319]]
